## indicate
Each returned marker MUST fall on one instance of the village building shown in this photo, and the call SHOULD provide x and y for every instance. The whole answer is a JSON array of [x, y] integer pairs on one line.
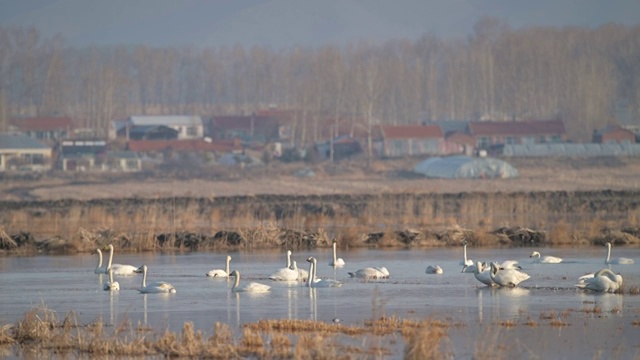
[[21, 152]]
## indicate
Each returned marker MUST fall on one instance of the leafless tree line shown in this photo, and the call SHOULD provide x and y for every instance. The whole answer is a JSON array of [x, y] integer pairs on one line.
[[582, 75]]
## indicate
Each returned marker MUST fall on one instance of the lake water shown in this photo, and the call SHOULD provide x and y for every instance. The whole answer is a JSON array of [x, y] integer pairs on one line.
[[68, 283]]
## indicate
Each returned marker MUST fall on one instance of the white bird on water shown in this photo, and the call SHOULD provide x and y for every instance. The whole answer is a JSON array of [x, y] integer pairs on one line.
[[252, 287], [154, 287], [336, 262], [616, 261], [483, 274], [544, 259], [314, 282], [465, 261], [219, 273], [434, 270], [111, 285], [507, 277], [99, 268], [604, 280], [119, 269]]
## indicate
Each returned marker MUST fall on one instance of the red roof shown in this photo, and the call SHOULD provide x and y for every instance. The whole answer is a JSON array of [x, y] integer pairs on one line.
[[411, 131], [42, 123], [522, 128], [183, 145]]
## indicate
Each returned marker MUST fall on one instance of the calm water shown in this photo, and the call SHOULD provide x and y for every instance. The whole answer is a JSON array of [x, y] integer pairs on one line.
[[66, 283]]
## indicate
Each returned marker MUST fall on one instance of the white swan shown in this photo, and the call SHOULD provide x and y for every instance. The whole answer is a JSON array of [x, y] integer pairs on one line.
[[253, 287], [434, 270], [616, 261], [154, 287], [370, 273], [336, 262], [510, 265], [604, 280], [469, 269], [506, 277], [303, 274], [219, 273], [465, 261], [111, 285], [99, 268], [285, 273], [483, 274], [314, 282], [119, 269], [544, 259]]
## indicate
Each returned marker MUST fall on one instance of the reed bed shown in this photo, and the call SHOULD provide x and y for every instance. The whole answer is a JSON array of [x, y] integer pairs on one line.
[[41, 333]]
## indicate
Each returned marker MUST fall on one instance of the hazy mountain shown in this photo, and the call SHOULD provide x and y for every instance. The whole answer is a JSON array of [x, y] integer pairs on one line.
[[285, 23]]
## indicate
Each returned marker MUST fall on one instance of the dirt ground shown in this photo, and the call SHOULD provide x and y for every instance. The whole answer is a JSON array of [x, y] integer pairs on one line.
[[343, 178]]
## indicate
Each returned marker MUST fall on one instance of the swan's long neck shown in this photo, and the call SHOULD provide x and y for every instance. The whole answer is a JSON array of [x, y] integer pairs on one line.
[[311, 276], [464, 249], [608, 253], [110, 276], [315, 268], [99, 259], [236, 282], [110, 257], [144, 277], [227, 267], [288, 259], [335, 256]]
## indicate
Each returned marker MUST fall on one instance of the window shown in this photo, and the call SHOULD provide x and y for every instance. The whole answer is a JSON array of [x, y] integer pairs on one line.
[[484, 142], [192, 131], [510, 140]]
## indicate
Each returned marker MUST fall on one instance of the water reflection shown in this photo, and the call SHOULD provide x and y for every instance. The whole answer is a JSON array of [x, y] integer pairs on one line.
[[313, 303], [602, 302], [502, 301]]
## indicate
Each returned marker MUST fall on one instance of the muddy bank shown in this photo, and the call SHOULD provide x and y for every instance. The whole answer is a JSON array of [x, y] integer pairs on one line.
[[283, 220]]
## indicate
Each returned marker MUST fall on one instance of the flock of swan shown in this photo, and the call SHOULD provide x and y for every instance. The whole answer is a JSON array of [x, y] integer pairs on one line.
[[505, 274], [510, 274]]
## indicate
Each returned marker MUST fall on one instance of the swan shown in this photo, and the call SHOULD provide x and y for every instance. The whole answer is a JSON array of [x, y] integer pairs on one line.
[[285, 273], [99, 268], [604, 280], [111, 285], [370, 273], [465, 261], [483, 274], [506, 277], [120, 269], [544, 259], [313, 282], [434, 270], [510, 265], [253, 287], [469, 269], [219, 272], [616, 261], [336, 262], [303, 274], [154, 287]]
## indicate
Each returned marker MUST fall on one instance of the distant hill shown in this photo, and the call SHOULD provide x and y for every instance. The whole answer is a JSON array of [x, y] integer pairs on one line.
[[287, 23]]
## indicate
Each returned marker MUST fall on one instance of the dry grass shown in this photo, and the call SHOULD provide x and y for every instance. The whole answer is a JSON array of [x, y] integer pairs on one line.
[[41, 333]]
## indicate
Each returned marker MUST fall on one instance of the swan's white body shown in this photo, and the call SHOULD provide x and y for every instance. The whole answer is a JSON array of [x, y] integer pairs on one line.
[[537, 258], [469, 269], [219, 273], [111, 285], [616, 261], [434, 270], [509, 265], [336, 262], [314, 282], [286, 273], [99, 268], [465, 261], [604, 280], [371, 273], [119, 269], [506, 277], [303, 274], [483, 274], [154, 287], [253, 287]]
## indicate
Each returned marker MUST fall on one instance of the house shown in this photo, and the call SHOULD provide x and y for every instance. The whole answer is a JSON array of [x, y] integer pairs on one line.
[[187, 127], [344, 146], [153, 132], [124, 161], [21, 152], [412, 140], [613, 134], [47, 129], [249, 128], [81, 154], [488, 134]]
